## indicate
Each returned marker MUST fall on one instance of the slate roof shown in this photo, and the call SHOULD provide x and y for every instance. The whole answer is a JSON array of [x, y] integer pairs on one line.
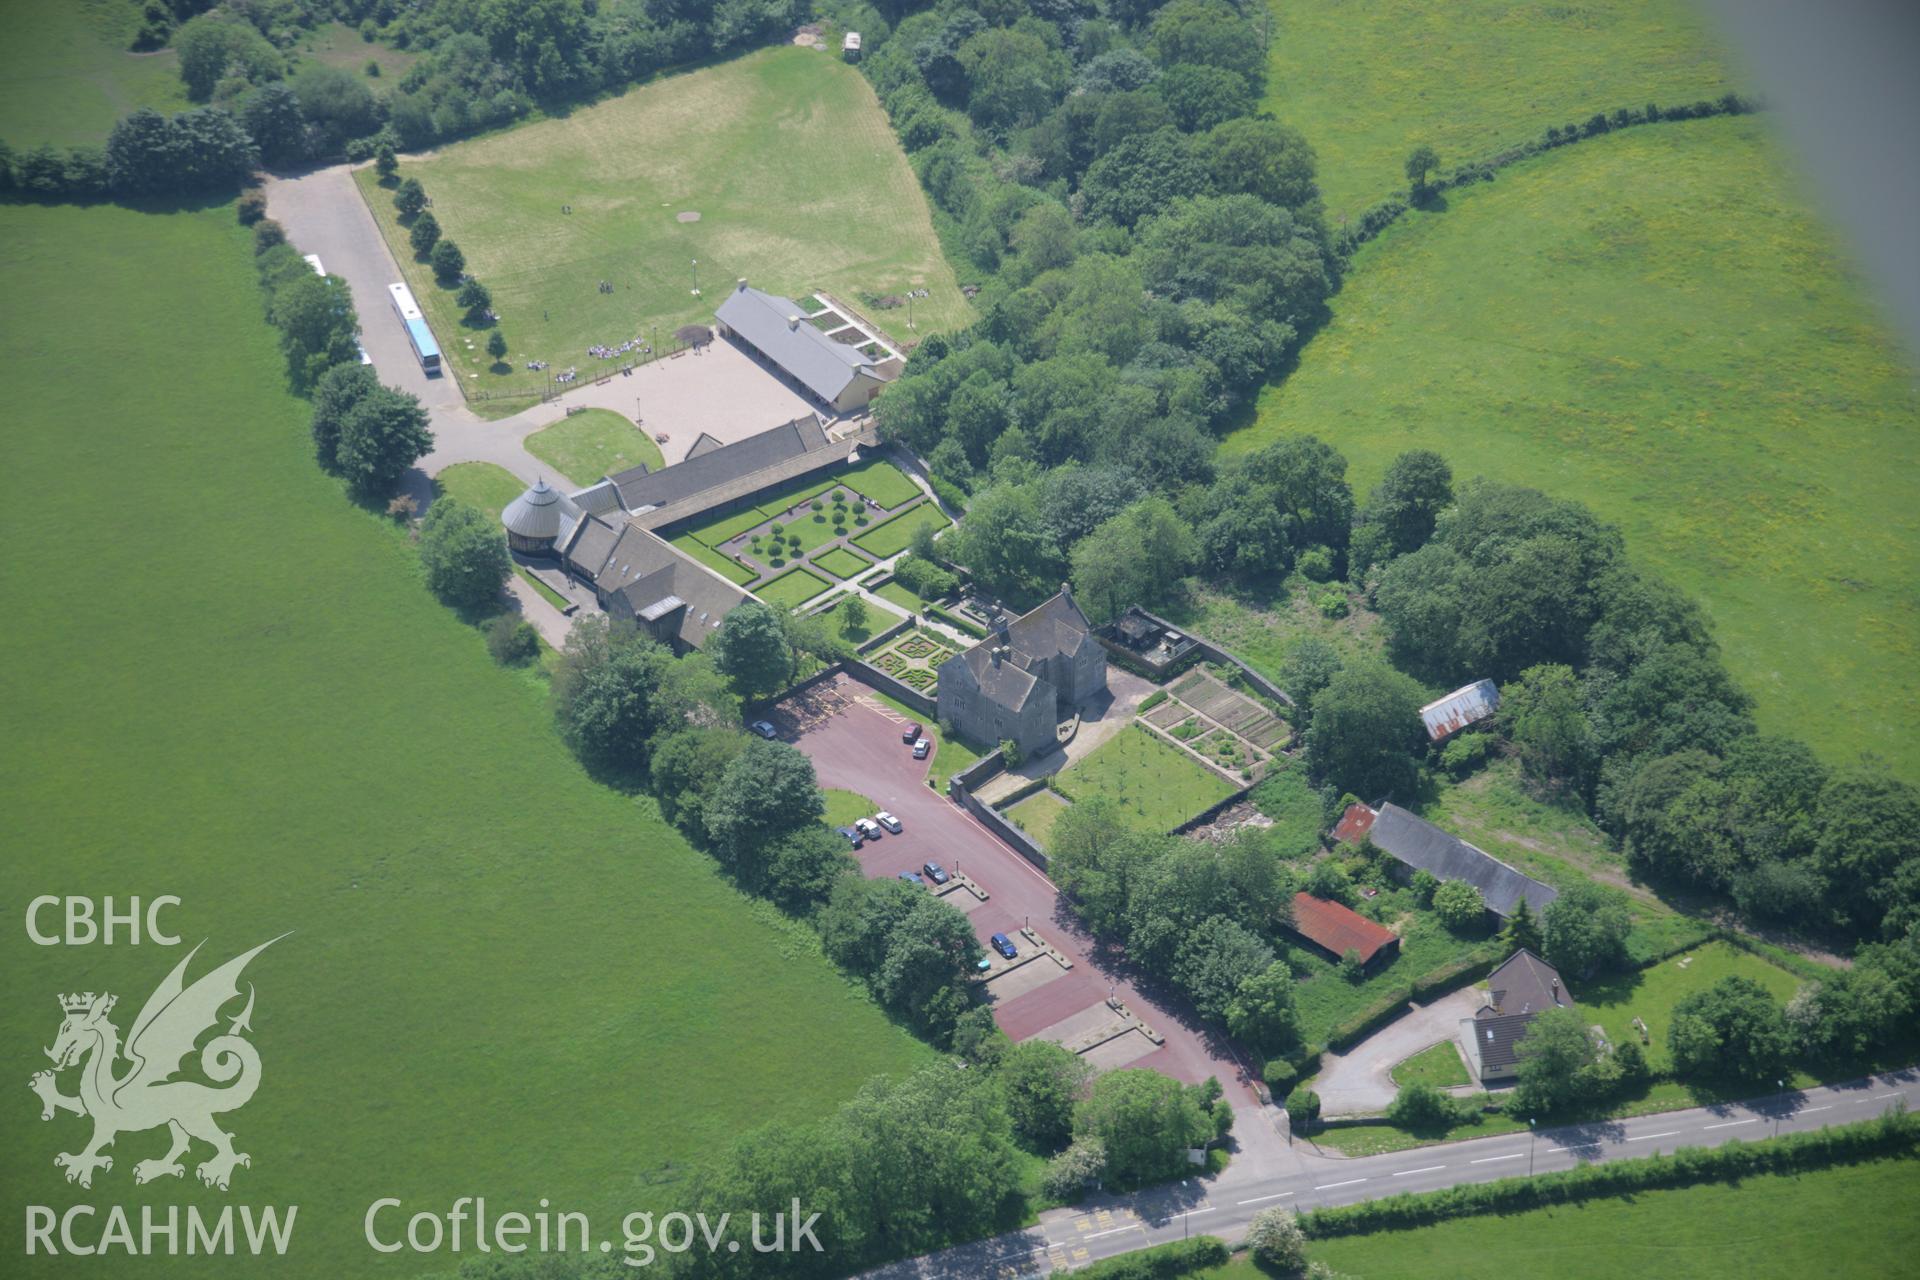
[[1421, 845], [1524, 983], [655, 578], [1497, 1040], [1466, 705], [1338, 929], [703, 443], [820, 364], [591, 546], [598, 499], [1050, 629], [1004, 682], [540, 512], [641, 489]]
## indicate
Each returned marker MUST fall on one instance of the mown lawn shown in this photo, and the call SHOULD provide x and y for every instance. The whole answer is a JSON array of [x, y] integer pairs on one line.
[[880, 480], [269, 717], [784, 155], [482, 484], [1655, 323], [793, 588], [895, 534], [845, 806], [1851, 1220], [1036, 815], [66, 73], [593, 443], [1439, 1065], [842, 563], [725, 565], [1650, 994], [1368, 82], [1152, 784]]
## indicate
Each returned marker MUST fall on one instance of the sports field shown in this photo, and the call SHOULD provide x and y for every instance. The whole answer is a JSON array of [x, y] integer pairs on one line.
[[66, 74], [784, 155], [1369, 82], [1654, 322], [593, 443], [502, 978], [1773, 1227]]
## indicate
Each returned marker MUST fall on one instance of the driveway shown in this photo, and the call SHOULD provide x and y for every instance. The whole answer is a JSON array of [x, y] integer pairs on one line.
[[854, 743], [1357, 1083]]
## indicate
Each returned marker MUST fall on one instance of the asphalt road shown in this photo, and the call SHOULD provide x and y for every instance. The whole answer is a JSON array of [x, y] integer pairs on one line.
[[1109, 1226]]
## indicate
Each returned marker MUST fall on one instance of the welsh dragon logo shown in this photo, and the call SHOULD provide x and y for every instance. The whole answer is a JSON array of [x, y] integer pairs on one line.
[[146, 1095]]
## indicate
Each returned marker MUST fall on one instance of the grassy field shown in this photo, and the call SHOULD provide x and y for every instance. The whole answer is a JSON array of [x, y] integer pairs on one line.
[[1654, 323], [899, 594], [593, 443], [1650, 994], [842, 563], [793, 588], [1036, 815], [1155, 785], [335, 44], [1369, 82], [1852, 1220], [482, 484], [269, 717], [1439, 1066], [66, 74], [785, 156], [892, 536]]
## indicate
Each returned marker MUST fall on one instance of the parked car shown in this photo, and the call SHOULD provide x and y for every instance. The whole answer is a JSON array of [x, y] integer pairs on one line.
[[921, 748], [1004, 945], [912, 733], [868, 828], [765, 729], [888, 821], [936, 873], [853, 837], [912, 877]]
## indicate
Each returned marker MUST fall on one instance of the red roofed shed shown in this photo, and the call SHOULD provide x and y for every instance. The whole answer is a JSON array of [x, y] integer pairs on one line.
[[1354, 824], [1336, 930]]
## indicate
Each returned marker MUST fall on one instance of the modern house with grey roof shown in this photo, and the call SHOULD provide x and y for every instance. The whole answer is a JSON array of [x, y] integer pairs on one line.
[[1019, 682], [1418, 845], [1520, 990], [836, 375]]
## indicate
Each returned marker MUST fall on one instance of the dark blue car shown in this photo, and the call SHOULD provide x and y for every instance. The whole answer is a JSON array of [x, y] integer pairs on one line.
[[1004, 945]]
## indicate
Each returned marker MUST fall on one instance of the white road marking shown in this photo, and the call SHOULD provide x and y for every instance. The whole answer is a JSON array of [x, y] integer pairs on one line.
[[1490, 1159], [1648, 1137], [1551, 1150], [1810, 1110], [1729, 1124], [1278, 1195], [1881, 1097], [1328, 1186], [1116, 1231], [1408, 1173]]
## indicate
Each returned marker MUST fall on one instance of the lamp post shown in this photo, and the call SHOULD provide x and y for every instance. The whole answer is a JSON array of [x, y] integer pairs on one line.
[[1531, 1135], [1782, 1107], [695, 268]]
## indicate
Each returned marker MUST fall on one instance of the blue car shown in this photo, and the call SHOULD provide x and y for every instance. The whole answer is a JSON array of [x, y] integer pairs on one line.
[[912, 877], [935, 872], [854, 838], [1004, 945]]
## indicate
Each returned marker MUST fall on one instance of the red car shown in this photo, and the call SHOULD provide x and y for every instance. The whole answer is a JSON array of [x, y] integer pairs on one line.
[[911, 733]]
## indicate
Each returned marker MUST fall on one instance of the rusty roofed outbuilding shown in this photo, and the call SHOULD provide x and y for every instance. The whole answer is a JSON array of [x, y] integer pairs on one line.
[[1466, 705]]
